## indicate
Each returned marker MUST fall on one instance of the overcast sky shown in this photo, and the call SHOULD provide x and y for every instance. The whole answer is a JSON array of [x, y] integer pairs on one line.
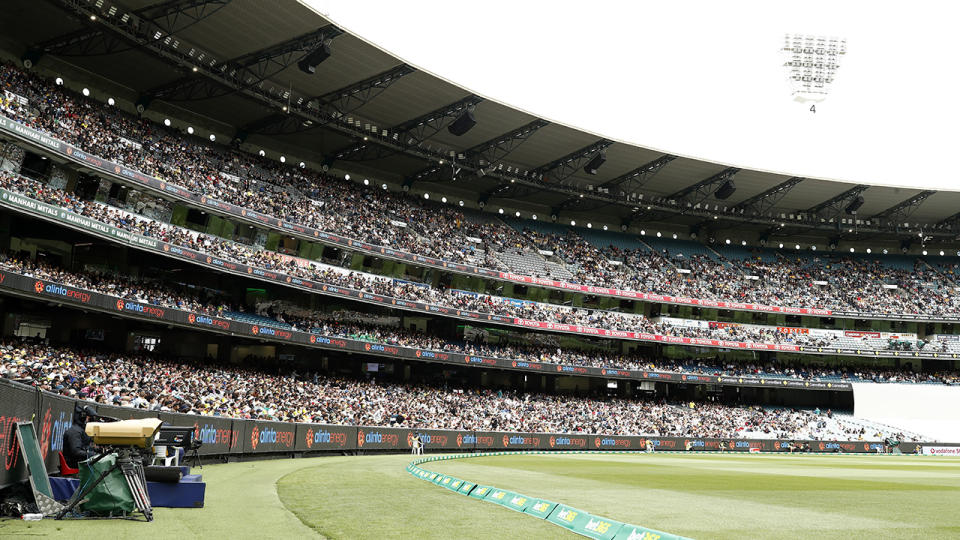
[[703, 78]]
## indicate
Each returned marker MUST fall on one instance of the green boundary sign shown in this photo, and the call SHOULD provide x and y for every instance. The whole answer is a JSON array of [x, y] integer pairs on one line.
[[573, 519]]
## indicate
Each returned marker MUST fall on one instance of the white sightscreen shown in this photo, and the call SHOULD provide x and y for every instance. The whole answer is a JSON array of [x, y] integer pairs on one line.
[[930, 410]]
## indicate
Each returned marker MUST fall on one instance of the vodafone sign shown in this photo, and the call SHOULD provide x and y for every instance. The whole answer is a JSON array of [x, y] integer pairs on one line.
[[941, 450]]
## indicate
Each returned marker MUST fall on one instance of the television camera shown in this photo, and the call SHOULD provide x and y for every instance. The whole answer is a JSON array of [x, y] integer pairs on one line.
[[128, 442]]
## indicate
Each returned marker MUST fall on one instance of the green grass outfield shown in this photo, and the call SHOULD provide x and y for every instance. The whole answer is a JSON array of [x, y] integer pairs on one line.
[[736, 495], [695, 495]]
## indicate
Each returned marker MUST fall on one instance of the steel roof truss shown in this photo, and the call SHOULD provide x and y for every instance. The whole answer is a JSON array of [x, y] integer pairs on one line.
[[563, 168], [486, 155], [831, 208], [169, 17], [632, 181], [410, 134], [249, 71], [902, 211], [330, 106], [702, 190], [762, 203]]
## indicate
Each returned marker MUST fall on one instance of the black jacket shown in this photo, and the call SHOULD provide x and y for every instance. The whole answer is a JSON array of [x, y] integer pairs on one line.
[[76, 443]]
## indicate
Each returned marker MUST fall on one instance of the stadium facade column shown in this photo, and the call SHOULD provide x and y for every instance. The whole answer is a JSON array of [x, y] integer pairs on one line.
[[356, 261], [481, 377], [325, 363], [223, 349], [518, 380], [536, 382], [549, 384], [5, 222]]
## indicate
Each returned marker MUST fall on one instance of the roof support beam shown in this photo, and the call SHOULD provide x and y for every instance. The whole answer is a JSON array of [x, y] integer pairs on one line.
[[631, 180], [641, 175], [560, 169], [551, 175], [703, 189], [950, 223], [351, 97], [831, 210], [491, 153], [336, 104], [248, 71], [169, 17], [177, 15], [765, 201], [954, 218], [513, 191], [283, 54], [410, 134], [688, 198], [488, 155], [903, 210], [837, 200]]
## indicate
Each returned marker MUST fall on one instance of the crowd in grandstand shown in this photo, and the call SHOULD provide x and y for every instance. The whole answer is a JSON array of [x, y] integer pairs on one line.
[[393, 288], [270, 260], [143, 291], [311, 198], [204, 387], [363, 327], [460, 300]]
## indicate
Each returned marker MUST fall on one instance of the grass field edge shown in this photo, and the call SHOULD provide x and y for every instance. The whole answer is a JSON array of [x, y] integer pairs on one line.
[[573, 519], [296, 513]]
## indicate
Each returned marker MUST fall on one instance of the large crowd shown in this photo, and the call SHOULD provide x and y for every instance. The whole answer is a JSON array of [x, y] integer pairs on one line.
[[363, 326], [300, 195], [459, 300], [270, 260], [274, 392]]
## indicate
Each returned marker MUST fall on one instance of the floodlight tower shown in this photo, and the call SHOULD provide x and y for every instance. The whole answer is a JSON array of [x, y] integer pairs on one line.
[[812, 63]]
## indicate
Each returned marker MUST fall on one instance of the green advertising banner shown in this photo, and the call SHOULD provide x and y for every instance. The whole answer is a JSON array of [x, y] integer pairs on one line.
[[584, 523], [499, 496], [598, 527], [447, 482], [633, 532], [540, 508], [518, 502], [467, 487], [565, 516], [480, 492], [455, 485]]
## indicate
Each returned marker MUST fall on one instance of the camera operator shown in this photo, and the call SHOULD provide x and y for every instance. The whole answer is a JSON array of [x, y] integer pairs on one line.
[[77, 445]]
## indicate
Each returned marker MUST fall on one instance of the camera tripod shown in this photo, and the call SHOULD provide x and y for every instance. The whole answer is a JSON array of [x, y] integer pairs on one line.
[[130, 464]]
